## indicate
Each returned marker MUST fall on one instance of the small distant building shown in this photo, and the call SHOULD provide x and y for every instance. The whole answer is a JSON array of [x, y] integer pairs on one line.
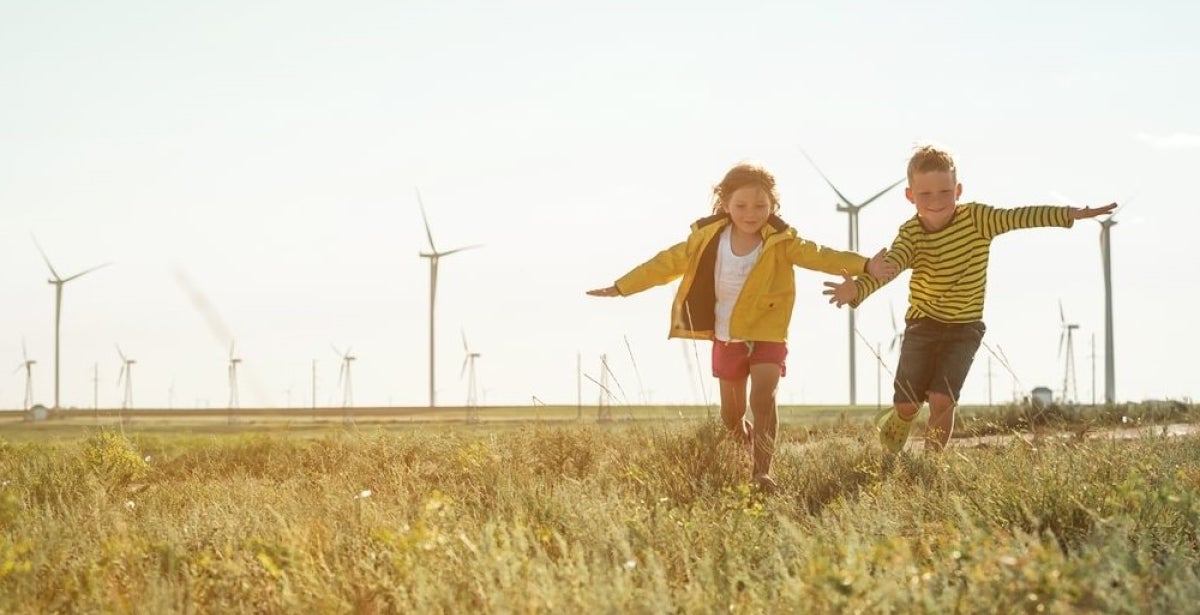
[[1041, 397], [37, 413]]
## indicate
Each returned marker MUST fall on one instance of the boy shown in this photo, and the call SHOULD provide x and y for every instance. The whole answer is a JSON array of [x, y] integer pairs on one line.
[[947, 247]]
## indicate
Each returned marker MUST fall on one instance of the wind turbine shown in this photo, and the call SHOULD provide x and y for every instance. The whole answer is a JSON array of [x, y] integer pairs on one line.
[[898, 337], [27, 364], [58, 282], [1110, 370], [468, 367], [1106, 223], [1067, 335], [126, 375], [344, 377], [852, 211], [434, 256], [233, 381]]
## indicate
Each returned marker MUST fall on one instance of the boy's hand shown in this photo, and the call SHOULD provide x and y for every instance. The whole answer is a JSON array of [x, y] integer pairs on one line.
[[841, 293], [1091, 212], [881, 269], [610, 291]]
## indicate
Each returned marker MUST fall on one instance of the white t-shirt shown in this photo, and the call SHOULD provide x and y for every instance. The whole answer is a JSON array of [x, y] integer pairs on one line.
[[731, 273]]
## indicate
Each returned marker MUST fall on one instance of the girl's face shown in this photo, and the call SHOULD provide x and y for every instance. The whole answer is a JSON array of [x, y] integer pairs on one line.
[[749, 207]]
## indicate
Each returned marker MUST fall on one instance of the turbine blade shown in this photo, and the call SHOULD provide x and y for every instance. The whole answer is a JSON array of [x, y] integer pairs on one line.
[[1061, 337], [893, 308], [835, 190], [471, 247], [45, 258], [87, 271], [1061, 317], [123, 359], [1058, 196], [335, 350], [880, 193], [425, 219], [24, 353], [464, 367]]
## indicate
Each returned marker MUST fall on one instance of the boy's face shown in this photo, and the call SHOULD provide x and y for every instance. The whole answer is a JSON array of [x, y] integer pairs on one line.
[[749, 207], [935, 193]]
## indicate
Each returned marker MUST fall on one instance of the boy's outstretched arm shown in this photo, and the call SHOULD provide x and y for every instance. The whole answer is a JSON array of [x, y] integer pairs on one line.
[[1091, 212]]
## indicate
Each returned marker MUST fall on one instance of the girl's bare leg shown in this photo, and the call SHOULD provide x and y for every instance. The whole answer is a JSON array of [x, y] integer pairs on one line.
[[764, 381], [733, 408]]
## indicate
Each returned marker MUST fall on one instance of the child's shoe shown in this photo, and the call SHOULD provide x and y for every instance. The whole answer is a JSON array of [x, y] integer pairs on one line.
[[765, 483], [893, 430]]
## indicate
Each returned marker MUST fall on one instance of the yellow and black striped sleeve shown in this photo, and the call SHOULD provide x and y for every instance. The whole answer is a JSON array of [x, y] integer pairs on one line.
[[992, 221], [900, 254]]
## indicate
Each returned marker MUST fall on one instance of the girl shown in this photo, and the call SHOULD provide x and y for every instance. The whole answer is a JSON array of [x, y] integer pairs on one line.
[[738, 289]]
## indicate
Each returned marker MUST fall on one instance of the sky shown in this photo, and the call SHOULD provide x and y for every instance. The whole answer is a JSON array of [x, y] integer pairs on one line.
[[251, 171]]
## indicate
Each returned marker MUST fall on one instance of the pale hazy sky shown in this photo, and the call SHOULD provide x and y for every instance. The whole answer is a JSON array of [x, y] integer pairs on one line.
[[271, 152]]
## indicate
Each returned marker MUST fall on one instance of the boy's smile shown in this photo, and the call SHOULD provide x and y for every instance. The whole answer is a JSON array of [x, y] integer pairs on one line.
[[935, 193]]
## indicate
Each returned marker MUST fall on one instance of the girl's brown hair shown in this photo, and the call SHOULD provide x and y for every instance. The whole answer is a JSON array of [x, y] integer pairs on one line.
[[743, 175]]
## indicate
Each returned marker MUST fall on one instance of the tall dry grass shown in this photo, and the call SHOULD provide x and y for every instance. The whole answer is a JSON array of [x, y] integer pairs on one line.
[[601, 518]]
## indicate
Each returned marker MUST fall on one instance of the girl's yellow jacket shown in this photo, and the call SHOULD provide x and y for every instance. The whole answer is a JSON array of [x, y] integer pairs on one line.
[[764, 307]]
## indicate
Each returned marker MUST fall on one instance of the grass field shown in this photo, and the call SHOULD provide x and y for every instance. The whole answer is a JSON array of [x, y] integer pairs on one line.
[[621, 516]]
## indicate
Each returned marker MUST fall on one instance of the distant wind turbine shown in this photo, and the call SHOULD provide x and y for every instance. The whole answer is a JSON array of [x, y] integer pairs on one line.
[[898, 333], [27, 364], [434, 256], [852, 211], [1068, 336], [468, 369], [58, 282], [344, 377], [126, 375], [233, 379]]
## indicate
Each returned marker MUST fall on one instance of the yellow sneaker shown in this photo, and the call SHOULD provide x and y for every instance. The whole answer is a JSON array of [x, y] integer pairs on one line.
[[893, 430]]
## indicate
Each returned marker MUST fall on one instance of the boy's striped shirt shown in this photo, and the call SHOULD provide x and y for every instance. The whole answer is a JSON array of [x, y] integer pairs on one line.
[[949, 277]]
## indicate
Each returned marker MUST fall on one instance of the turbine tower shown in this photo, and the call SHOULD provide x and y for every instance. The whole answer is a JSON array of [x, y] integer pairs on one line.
[[233, 381], [126, 375], [468, 369], [852, 211], [58, 282], [434, 256], [344, 377], [1110, 369], [26, 364], [1070, 386]]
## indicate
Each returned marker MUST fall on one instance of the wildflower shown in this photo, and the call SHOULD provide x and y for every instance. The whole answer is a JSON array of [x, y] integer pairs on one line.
[[130, 505], [629, 564], [364, 494]]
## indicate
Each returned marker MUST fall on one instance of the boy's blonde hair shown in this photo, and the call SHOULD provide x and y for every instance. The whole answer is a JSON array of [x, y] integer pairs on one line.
[[928, 158], [740, 176]]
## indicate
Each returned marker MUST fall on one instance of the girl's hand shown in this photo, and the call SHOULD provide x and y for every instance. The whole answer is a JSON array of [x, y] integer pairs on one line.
[[841, 293], [880, 268], [1091, 212], [610, 291]]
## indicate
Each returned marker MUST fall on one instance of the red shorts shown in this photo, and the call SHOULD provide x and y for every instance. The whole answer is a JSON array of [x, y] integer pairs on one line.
[[732, 360]]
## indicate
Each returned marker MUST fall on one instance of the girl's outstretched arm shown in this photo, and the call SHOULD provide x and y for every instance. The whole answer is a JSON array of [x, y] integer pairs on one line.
[[841, 293], [608, 291]]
